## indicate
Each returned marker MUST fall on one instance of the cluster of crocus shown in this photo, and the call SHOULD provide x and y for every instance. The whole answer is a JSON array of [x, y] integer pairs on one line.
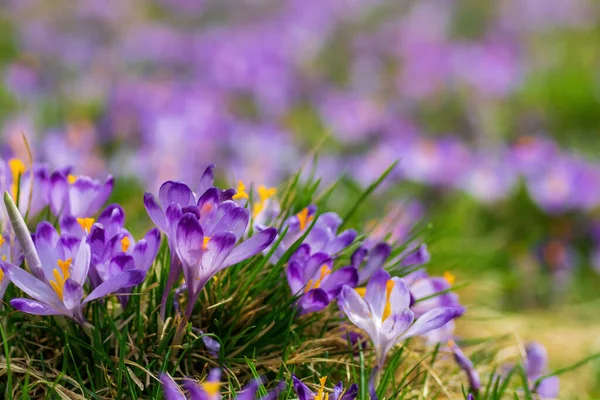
[[59, 266], [211, 389]]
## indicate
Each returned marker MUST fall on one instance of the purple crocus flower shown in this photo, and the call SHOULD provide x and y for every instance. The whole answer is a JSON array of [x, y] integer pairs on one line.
[[304, 393], [384, 313], [211, 389], [467, 366], [176, 198], [114, 249], [78, 196], [313, 277], [536, 365], [324, 236]]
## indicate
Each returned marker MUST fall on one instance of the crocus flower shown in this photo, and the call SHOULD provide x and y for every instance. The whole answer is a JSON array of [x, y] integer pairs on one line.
[[324, 236], [384, 313], [467, 366], [313, 277], [211, 389], [428, 293], [114, 249], [304, 393], [78, 196], [536, 365], [367, 262], [176, 198]]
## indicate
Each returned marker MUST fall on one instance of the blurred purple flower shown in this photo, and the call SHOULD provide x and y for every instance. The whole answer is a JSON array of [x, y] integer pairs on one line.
[[304, 393]]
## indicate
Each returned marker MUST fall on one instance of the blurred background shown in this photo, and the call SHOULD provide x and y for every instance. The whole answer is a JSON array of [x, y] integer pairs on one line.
[[492, 108]]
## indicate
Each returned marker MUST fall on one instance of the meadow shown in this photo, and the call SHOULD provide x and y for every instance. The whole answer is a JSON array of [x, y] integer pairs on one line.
[[211, 199]]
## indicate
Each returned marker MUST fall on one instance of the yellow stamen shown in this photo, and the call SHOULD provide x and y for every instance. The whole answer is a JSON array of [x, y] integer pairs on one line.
[[362, 291], [58, 289], [317, 284], [71, 179], [4, 258], [86, 223], [321, 393], [303, 218], [449, 277], [388, 292], [205, 244], [125, 243], [58, 278], [17, 168], [265, 193], [64, 266], [1, 274], [451, 343], [211, 388], [1, 241], [257, 208], [241, 191]]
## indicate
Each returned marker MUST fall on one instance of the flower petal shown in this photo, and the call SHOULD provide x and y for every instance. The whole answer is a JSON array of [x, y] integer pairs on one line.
[[207, 180], [333, 283], [154, 211], [376, 292], [400, 295], [313, 300], [235, 221], [175, 192], [145, 250], [433, 319], [33, 307], [59, 193], [217, 250], [354, 307], [31, 285], [302, 391], [103, 193], [72, 294], [342, 241], [293, 273], [120, 263], [113, 219], [126, 279], [46, 243], [171, 390], [251, 247], [376, 259], [352, 392], [81, 265], [190, 241]]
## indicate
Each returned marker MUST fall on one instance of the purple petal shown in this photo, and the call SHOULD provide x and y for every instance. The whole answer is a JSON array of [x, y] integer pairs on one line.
[[235, 221], [59, 193], [400, 295], [190, 240], [81, 265], [119, 264], [251, 246], [31, 285], [333, 283], [113, 219], [376, 259], [293, 273], [208, 205], [96, 240], [103, 193], [396, 324], [354, 306], [145, 250], [72, 294], [249, 391], [418, 257], [433, 319], [302, 391], [173, 215], [171, 390], [217, 250], [207, 180], [175, 192], [154, 211], [549, 388], [312, 267], [33, 307], [358, 257], [329, 219], [352, 393], [376, 292], [342, 241], [301, 254], [83, 194], [536, 360], [195, 391], [126, 279], [313, 300], [46, 243], [70, 225]]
